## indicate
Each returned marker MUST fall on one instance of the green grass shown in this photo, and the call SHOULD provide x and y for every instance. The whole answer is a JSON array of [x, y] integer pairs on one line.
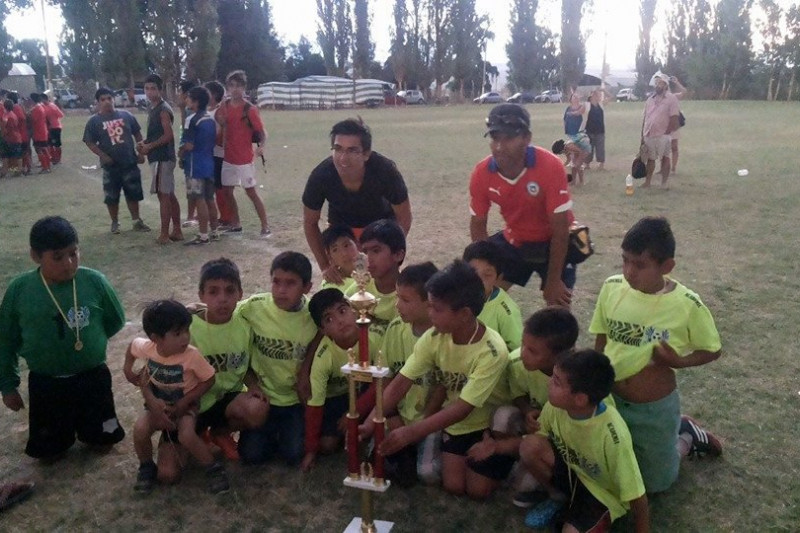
[[737, 247]]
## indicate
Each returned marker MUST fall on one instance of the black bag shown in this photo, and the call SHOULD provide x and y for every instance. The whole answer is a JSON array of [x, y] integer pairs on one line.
[[581, 246], [638, 168], [681, 119]]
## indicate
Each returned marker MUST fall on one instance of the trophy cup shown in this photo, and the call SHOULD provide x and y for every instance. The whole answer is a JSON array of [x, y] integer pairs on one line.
[[367, 477]]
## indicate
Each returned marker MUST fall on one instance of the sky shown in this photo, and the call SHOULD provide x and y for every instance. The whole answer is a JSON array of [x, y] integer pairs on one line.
[[612, 25]]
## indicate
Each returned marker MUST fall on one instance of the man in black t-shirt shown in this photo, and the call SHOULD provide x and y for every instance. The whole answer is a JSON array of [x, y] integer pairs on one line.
[[361, 186], [110, 135]]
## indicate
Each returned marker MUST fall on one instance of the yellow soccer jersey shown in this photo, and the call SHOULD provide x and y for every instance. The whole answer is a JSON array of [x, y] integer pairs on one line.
[[634, 322], [384, 312], [327, 379], [599, 449], [343, 286], [398, 344], [502, 314], [280, 339], [226, 348], [469, 372], [522, 382]]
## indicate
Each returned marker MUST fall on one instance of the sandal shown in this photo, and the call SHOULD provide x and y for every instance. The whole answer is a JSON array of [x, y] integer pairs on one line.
[[543, 514], [12, 493]]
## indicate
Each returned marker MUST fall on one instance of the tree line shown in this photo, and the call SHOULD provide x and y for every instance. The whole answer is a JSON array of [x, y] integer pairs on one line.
[[434, 44]]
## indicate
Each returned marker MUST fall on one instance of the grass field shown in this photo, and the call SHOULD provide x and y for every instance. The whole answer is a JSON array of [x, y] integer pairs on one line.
[[737, 247]]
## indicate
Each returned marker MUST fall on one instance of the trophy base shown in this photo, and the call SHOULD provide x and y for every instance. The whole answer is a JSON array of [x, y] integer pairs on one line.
[[367, 484], [381, 526]]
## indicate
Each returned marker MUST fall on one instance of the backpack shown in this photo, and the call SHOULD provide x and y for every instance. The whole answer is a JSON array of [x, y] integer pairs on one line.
[[256, 137]]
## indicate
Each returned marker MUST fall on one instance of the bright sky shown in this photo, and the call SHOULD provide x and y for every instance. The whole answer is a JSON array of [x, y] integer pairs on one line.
[[614, 23]]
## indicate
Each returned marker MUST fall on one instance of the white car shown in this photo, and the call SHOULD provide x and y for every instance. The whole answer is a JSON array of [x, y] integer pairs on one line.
[[67, 98], [627, 95], [412, 96], [552, 96], [489, 98], [121, 98]]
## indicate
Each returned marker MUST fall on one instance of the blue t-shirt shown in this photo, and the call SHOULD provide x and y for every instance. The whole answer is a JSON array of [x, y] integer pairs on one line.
[[202, 133], [572, 123]]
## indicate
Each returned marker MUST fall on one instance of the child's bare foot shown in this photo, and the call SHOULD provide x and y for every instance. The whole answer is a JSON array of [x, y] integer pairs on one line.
[[163, 239], [176, 236]]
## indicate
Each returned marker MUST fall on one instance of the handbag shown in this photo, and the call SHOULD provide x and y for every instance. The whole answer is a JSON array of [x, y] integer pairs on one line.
[[580, 246], [681, 119], [638, 167]]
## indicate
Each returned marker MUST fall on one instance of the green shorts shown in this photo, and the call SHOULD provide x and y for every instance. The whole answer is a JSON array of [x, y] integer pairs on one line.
[[654, 431]]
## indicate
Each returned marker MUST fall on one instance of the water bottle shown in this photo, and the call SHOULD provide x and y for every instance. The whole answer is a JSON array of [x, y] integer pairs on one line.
[[629, 185]]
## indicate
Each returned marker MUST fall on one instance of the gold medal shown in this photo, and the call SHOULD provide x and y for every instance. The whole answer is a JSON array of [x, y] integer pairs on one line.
[[78, 346]]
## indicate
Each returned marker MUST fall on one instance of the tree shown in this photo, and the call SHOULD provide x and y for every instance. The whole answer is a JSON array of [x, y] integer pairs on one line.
[[573, 45], [166, 23], [344, 33], [363, 49], [645, 62], [302, 61], [440, 41], [334, 34], [531, 50], [201, 62], [398, 54], [470, 33], [123, 51], [31, 51], [326, 33], [5, 39], [248, 41]]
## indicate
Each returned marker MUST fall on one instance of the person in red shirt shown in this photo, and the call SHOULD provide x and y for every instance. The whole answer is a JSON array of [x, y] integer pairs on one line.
[[22, 126], [529, 185], [40, 133], [12, 140], [241, 127], [53, 114]]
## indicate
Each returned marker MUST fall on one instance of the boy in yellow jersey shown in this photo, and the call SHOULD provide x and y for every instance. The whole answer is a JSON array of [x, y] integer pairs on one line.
[[469, 360], [384, 244], [500, 312], [282, 329], [649, 324], [326, 408], [342, 251], [223, 337], [582, 453]]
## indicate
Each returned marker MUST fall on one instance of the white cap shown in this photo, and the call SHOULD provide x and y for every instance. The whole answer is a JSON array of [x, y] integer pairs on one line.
[[659, 75]]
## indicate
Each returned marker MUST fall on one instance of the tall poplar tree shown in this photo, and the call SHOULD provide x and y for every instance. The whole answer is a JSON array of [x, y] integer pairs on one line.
[[645, 63], [363, 48], [531, 50], [201, 61], [573, 45]]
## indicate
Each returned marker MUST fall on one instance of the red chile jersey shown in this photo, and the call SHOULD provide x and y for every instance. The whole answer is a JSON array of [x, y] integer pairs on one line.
[[39, 121], [525, 201]]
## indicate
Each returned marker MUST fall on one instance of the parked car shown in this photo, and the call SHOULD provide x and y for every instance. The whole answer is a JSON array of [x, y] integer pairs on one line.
[[627, 95], [550, 96], [389, 98], [521, 98], [489, 98], [412, 96], [121, 98], [67, 98]]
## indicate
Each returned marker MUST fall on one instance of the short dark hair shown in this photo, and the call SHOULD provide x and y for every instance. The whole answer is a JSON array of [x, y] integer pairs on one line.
[[216, 89], [293, 262], [322, 301], [459, 286], [101, 91], [162, 316], [417, 276], [588, 372], [651, 234], [558, 147], [36, 97], [199, 95], [44, 97], [385, 231], [155, 79], [8, 104], [222, 268], [186, 85], [13, 96], [52, 233], [486, 251], [237, 76], [557, 326], [353, 126], [335, 232]]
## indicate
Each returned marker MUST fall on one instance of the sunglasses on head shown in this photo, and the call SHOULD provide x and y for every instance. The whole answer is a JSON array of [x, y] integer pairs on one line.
[[507, 120]]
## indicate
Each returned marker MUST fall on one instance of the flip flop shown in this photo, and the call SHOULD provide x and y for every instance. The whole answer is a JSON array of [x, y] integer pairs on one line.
[[543, 514], [12, 493]]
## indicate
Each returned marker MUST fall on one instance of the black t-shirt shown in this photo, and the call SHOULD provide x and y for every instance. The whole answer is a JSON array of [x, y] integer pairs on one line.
[[594, 120], [114, 134], [155, 130], [383, 187]]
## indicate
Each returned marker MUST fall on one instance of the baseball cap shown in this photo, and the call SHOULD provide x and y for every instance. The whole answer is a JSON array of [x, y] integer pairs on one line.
[[511, 119], [659, 76]]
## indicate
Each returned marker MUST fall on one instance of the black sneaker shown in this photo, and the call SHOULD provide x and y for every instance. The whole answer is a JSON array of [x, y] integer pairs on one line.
[[703, 442], [146, 478], [217, 479]]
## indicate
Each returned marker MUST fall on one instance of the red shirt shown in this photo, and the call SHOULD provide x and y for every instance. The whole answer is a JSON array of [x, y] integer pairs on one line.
[[39, 121], [527, 201], [53, 115], [238, 135], [22, 123], [11, 129]]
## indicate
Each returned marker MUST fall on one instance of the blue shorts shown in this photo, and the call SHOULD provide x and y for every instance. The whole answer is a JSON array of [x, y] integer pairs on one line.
[[521, 262], [654, 431]]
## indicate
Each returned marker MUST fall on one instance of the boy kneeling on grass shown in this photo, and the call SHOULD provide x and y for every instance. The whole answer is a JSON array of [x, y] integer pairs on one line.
[[582, 453], [469, 360], [173, 380]]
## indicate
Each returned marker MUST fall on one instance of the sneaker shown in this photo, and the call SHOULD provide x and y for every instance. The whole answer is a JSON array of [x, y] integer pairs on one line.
[[229, 447], [189, 223], [543, 514], [703, 442], [139, 225], [528, 498], [215, 236], [146, 477], [197, 241], [233, 230], [266, 233], [115, 227], [217, 479]]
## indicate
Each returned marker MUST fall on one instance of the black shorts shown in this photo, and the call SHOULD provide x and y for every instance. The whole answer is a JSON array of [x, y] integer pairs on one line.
[[333, 410], [41, 145], [521, 262], [54, 137], [13, 150], [60, 408], [127, 180], [496, 467], [215, 417], [218, 172], [585, 512]]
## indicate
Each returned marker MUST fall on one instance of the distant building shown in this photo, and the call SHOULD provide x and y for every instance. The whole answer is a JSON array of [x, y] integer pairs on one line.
[[21, 79]]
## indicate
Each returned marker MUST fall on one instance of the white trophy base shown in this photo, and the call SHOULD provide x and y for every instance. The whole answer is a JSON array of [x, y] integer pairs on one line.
[[367, 484], [381, 526]]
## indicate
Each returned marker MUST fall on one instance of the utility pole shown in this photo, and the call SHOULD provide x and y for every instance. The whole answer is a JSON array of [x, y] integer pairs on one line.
[[49, 81]]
